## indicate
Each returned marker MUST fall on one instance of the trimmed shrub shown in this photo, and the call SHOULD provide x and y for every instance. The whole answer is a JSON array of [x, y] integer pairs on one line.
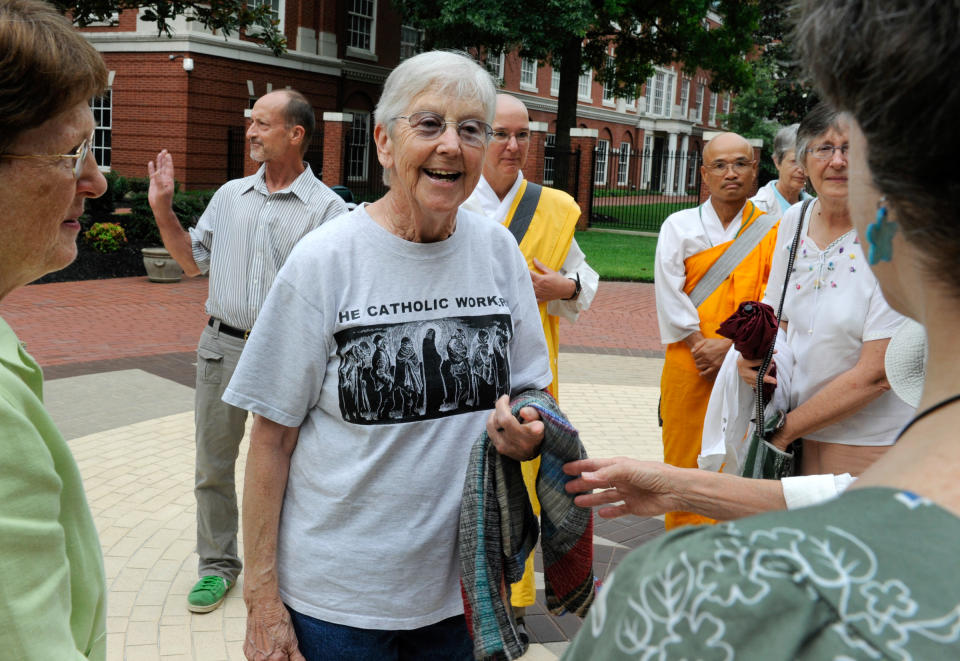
[[105, 237]]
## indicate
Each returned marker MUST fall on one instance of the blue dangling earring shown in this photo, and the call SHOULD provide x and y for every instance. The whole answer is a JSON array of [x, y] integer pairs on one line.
[[880, 235]]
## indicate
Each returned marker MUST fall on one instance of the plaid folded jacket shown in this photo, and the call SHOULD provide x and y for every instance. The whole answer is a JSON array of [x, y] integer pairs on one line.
[[498, 531]]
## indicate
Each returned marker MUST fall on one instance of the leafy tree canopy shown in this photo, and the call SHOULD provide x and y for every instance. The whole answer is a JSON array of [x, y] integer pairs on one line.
[[643, 34], [225, 16]]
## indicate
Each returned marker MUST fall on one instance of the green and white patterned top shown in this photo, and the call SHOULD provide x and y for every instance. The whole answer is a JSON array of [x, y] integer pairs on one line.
[[873, 574]]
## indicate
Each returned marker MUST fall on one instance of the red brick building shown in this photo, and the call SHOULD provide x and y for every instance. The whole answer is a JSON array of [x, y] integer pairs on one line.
[[188, 94]]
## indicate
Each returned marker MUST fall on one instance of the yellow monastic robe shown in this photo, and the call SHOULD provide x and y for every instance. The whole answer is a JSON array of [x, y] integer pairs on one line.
[[684, 394], [548, 239]]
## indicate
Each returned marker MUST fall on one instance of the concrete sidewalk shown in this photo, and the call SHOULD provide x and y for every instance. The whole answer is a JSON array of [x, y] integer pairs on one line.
[[118, 356]]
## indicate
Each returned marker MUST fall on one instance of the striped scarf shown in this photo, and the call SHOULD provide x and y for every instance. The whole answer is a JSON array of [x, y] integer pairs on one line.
[[498, 531]]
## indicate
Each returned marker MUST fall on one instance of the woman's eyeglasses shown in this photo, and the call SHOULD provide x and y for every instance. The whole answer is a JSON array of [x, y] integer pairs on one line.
[[430, 125], [79, 156], [826, 152]]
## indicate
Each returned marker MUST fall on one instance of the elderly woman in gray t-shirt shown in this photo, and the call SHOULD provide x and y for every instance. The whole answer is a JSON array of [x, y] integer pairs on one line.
[[351, 504]]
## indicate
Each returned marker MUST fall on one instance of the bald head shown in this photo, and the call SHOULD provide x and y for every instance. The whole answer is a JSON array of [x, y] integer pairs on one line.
[[729, 169], [726, 142], [505, 157]]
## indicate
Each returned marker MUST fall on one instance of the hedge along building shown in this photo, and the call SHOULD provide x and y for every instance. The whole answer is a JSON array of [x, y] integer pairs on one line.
[[189, 94]]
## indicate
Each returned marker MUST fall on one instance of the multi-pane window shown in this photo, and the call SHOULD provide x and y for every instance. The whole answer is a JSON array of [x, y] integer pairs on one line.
[[584, 84], [358, 146], [699, 101], [623, 164], [684, 95], [608, 88], [555, 78], [102, 107], [549, 144], [494, 65], [410, 41], [274, 6], [360, 19], [713, 108], [528, 72], [658, 82], [603, 148], [726, 104]]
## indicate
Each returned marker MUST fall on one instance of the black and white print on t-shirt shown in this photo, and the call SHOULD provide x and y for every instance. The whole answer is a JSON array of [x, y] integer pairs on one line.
[[426, 369]]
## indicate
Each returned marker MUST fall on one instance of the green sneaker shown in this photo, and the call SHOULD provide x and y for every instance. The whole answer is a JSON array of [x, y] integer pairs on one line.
[[208, 594]]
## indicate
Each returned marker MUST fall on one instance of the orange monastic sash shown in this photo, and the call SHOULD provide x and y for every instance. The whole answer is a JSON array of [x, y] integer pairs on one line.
[[684, 393]]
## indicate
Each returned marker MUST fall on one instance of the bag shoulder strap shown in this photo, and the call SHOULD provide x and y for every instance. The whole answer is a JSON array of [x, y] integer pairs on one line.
[[520, 222], [731, 258], [765, 365]]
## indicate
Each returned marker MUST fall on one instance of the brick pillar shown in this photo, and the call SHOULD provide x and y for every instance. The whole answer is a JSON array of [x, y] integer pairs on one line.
[[335, 127], [533, 168], [586, 141]]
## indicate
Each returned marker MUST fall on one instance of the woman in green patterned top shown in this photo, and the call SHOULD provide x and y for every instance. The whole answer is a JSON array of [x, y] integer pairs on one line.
[[873, 573]]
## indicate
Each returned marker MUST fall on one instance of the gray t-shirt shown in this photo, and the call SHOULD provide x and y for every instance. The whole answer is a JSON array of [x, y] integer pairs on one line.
[[390, 354]]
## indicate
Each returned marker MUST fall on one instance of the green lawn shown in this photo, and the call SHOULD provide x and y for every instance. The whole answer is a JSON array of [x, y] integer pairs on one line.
[[617, 256]]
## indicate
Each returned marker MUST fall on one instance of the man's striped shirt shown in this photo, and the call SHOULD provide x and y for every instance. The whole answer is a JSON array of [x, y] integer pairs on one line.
[[246, 233]]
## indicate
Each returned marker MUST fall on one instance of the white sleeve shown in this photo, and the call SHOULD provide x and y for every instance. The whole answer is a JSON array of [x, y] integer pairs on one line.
[[805, 490], [576, 265], [676, 314]]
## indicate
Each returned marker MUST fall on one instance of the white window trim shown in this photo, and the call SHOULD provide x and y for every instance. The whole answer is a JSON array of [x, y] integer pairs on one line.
[[536, 68], [255, 31], [611, 100], [361, 52], [713, 109], [417, 46], [549, 141], [100, 128], [603, 156], [500, 59], [554, 76], [589, 96], [623, 159], [366, 146], [685, 95]]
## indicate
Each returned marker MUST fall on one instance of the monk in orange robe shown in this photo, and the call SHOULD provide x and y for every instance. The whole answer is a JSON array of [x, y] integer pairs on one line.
[[690, 242]]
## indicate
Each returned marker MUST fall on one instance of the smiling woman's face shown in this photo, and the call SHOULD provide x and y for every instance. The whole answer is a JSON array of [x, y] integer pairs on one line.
[[434, 175], [42, 200]]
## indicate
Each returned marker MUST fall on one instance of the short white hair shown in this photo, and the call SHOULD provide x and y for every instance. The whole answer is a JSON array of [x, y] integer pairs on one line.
[[446, 72]]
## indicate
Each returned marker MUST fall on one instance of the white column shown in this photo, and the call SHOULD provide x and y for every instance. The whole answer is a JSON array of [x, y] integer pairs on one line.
[[682, 185], [671, 162]]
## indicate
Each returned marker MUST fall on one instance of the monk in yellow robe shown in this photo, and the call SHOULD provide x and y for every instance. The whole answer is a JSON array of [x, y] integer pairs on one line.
[[562, 280], [690, 242]]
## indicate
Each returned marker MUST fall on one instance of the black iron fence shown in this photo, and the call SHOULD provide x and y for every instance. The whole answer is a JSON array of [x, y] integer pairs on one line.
[[557, 177], [638, 191]]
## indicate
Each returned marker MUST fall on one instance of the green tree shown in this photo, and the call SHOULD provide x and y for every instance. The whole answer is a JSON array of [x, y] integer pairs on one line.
[[754, 109], [576, 36], [225, 16], [794, 95]]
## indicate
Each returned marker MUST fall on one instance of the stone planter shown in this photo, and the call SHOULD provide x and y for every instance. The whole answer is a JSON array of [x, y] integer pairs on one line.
[[161, 267]]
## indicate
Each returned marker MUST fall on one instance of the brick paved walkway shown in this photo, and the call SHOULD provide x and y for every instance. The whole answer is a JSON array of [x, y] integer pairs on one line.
[[118, 356]]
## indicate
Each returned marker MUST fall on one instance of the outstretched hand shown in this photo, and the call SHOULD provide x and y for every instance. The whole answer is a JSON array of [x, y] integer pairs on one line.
[[549, 285], [160, 194], [628, 486], [513, 438]]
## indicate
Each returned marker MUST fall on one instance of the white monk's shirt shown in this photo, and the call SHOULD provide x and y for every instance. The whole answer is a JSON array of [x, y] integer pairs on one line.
[[683, 234], [484, 201]]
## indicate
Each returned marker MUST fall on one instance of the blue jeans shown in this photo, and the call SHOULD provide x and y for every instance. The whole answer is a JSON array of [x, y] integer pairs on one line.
[[322, 641]]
